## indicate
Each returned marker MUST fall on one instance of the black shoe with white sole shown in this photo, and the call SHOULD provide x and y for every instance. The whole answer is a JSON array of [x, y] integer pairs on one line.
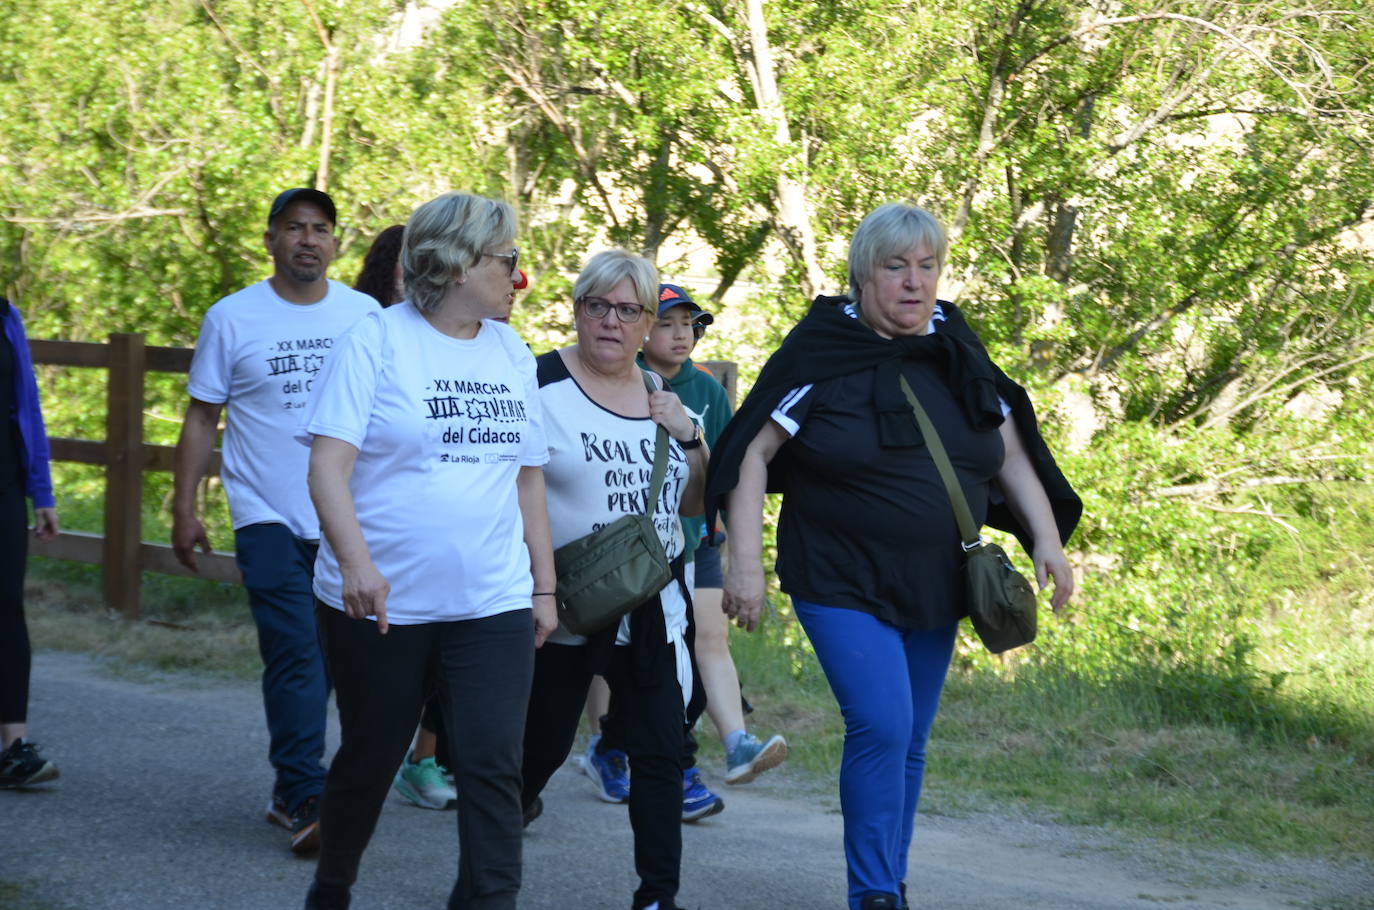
[[22, 766]]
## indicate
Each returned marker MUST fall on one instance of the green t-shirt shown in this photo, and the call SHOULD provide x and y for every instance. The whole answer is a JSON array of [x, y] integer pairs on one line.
[[709, 407]]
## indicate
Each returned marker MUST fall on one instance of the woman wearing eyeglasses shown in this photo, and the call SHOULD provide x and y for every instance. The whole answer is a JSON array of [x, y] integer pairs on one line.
[[435, 572], [601, 423]]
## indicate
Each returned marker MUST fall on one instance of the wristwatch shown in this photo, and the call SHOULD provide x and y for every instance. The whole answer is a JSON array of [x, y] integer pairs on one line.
[[693, 443]]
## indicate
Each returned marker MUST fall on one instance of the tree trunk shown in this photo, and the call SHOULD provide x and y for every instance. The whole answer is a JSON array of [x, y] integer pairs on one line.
[[794, 220], [331, 79], [656, 201]]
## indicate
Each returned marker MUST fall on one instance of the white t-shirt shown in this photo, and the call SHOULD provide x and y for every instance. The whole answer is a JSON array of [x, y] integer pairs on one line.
[[442, 426], [598, 471], [259, 354]]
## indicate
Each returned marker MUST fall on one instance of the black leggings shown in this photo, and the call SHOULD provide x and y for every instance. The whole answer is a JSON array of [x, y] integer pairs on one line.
[[16, 658]]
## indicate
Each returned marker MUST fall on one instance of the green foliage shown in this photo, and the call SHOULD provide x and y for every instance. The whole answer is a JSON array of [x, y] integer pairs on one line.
[[1160, 218], [12, 893]]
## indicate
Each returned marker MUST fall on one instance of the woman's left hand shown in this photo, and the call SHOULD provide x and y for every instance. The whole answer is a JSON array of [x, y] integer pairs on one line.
[[667, 411], [45, 523], [1050, 561]]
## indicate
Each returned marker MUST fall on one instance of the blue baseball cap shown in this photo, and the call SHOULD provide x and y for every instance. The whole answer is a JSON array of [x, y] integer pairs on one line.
[[302, 194], [671, 295]]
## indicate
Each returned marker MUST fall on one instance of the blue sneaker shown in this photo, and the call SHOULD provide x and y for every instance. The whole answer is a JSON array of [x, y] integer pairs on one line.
[[610, 771], [697, 801], [750, 758]]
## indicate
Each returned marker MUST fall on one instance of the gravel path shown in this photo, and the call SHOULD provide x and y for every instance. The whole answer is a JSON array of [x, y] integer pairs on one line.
[[164, 778]]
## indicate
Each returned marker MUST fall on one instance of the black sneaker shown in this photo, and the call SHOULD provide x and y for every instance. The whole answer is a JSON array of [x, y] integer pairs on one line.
[[22, 766], [324, 897], [277, 812], [305, 827], [879, 902]]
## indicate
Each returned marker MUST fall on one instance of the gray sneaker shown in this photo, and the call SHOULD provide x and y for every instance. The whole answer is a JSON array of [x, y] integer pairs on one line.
[[750, 758]]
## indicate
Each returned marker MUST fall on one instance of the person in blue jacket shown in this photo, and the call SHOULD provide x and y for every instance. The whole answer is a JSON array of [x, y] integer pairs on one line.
[[24, 473]]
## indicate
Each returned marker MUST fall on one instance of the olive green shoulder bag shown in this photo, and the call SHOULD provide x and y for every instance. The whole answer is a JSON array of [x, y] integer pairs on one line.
[[1001, 602], [607, 573]]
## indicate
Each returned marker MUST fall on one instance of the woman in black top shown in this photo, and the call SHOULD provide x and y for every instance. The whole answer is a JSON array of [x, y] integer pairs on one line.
[[868, 547]]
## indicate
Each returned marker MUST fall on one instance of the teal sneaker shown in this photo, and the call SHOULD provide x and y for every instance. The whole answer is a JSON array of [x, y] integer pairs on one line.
[[750, 758], [424, 784]]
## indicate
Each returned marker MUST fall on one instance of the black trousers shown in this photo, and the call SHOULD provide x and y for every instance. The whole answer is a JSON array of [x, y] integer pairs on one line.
[[611, 729], [647, 722], [16, 658], [481, 669]]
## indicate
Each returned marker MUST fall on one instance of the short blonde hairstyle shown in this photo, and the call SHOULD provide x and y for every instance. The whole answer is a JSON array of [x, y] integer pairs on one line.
[[891, 230], [610, 267], [445, 238]]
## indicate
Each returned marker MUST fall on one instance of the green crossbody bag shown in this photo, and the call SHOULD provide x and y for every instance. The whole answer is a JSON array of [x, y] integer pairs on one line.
[[607, 573], [1001, 602]]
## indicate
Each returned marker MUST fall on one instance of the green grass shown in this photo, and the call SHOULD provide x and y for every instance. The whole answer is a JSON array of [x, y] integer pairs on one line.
[[1117, 756], [12, 897], [1267, 769], [186, 624]]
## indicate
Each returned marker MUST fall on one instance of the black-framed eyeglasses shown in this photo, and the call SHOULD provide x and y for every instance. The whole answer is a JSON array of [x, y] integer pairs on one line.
[[513, 256], [598, 307]]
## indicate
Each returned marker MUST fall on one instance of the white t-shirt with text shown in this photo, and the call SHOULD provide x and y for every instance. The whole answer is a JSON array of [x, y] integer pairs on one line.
[[258, 355], [599, 468], [442, 427]]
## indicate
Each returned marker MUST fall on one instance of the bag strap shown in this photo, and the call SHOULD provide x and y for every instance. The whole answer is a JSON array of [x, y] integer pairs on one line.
[[967, 529], [660, 456]]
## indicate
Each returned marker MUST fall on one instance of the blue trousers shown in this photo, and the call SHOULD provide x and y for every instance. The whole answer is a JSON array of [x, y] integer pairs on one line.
[[887, 681], [278, 569]]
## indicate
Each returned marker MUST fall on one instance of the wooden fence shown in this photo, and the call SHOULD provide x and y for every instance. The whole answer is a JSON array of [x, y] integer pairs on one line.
[[121, 550]]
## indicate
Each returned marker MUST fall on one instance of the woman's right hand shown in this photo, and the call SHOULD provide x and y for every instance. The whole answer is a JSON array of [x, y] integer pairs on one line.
[[45, 524], [364, 593], [744, 590]]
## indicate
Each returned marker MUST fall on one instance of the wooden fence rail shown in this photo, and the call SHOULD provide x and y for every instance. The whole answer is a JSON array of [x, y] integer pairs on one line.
[[121, 550]]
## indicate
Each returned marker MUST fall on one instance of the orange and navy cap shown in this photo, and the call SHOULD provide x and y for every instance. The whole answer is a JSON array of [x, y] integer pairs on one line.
[[670, 295]]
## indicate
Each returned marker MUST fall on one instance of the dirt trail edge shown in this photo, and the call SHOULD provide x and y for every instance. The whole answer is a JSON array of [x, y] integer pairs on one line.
[[164, 778]]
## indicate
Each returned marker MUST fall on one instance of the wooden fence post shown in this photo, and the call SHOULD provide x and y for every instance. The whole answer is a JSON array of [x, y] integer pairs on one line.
[[124, 472]]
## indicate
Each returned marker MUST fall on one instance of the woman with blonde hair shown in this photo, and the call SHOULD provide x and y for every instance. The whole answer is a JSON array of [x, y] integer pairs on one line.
[[868, 546], [435, 571], [601, 422]]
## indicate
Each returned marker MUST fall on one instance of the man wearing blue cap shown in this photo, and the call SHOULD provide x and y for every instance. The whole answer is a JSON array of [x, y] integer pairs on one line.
[[257, 356]]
